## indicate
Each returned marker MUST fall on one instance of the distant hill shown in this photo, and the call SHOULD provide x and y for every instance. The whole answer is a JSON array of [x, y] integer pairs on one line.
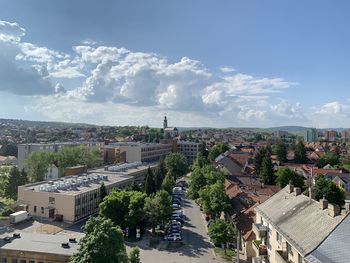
[[44, 124], [291, 129]]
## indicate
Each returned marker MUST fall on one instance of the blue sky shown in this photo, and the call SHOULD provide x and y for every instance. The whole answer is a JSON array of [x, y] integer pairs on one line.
[[203, 63]]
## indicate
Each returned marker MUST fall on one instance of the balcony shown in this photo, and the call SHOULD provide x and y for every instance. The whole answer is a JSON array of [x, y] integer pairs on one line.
[[281, 256], [259, 230], [259, 248]]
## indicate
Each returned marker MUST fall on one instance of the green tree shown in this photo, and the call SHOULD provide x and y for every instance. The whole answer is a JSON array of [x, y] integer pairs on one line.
[[124, 208], [102, 242], [168, 183], [14, 180], [103, 192], [258, 160], [327, 188], [158, 179], [37, 164], [8, 149], [136, 214], [281, 151], [300, 152], [134, 255], [176, 164], [266, 174], [284, 175], [221, 232], [214, 200], [158, 208], [149, 182], [331, 158], [197, 182], [216, 150]]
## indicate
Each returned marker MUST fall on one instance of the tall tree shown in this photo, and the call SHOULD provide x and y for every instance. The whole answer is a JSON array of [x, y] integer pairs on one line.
[[300, 152], [281, 151], [266, 174], [103, 242], [258, 160], [214, 200], [221, 232], [168, 183], [197, 182], [14, 180], [176, 164], [103, 192], [149, 182], [158, 208], [284, 175], [37, 164], [327, 188]]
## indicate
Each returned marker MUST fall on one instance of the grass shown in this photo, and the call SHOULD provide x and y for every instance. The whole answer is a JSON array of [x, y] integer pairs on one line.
[[230, 253]]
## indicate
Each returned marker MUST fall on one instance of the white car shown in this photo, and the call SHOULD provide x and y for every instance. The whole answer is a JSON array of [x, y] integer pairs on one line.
[[175, 206], [173, 237]]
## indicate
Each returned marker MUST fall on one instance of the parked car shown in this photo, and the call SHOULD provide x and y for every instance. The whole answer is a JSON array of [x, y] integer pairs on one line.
[[177, 218], [173, 237], [178, 213], [175, 206], [173, 230], [174, 222], [176, 201]]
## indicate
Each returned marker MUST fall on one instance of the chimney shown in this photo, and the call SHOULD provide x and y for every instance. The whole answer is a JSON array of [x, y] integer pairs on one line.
[[311, 193], [333, 210], [290, 187], [323, 203], [297, 191]]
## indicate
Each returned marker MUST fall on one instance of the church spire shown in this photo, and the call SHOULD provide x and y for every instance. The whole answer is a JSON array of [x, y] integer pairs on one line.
[[165, 122]]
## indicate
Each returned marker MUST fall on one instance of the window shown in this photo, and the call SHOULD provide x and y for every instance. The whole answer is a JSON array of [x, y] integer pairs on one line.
[[35, 209], [14, 260], [51, 200], [3, 260], [42, 209], [289, 249], [278, 238], [300, 259], [23, 261], [31, 261]]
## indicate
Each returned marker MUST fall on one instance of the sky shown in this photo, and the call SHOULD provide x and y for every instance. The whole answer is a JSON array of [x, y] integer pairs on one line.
[[202, 63]]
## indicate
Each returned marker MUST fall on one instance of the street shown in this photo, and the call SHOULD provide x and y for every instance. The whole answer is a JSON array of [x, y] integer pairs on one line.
[[196, 249]]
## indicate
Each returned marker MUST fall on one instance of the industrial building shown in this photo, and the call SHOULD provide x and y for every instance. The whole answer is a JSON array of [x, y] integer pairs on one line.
[[75, 197]]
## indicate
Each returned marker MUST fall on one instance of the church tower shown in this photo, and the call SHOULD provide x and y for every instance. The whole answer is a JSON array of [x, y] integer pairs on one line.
[[165, 123]]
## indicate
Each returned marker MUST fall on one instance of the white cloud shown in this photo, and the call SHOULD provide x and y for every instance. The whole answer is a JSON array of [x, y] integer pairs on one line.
[[11, 32], [227, 69], [93, 77]]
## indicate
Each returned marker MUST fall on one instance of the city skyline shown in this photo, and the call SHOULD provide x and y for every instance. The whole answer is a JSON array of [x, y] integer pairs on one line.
[[236, 64]]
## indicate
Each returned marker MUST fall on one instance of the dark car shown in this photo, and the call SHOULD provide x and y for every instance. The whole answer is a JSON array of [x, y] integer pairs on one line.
[[177, 218]]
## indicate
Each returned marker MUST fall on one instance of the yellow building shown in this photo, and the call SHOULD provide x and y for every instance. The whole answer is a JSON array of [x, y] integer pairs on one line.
[[37, 248], [290, 225]]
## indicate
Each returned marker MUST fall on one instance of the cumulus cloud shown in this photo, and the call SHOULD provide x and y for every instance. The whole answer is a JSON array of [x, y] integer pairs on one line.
[[102, 75]]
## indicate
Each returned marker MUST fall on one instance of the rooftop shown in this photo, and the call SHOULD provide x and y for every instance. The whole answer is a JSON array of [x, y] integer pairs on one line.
[[335, 248], [77, 184], [40, 243], [299, 219]]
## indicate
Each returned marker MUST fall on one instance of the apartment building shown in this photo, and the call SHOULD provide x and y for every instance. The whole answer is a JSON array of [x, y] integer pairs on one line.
[[290, 225], [37, 248], [190, 150], [330, 135], [135, 152], [345, 135], [311, 135], [75, 197], [25, 149]]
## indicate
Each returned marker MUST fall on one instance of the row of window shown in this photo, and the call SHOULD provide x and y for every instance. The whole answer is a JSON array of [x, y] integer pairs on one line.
[[15, 260]]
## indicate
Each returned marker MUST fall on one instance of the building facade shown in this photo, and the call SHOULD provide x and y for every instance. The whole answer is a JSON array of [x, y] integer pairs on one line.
[[72, 198], [290, 225], [190, 150], [311, 135]]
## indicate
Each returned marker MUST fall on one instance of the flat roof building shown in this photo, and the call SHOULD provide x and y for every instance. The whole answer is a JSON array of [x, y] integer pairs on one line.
[[75, 197], [37, 248], [190, 150], [136, 152]]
